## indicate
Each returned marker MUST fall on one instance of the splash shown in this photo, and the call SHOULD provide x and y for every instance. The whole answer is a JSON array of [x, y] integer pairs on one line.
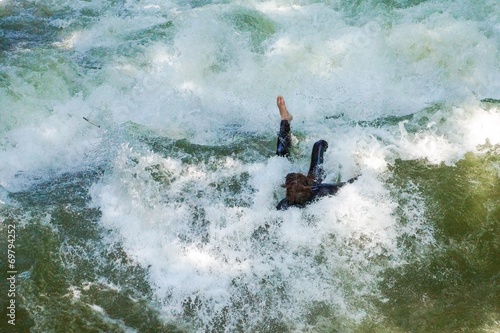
[[175, 172]]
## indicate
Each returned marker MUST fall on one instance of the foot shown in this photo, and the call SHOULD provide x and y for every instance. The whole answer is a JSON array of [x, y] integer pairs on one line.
[[285, 115]]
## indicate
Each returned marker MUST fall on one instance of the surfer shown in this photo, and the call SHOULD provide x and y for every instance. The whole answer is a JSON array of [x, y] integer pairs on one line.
[[301, 189]]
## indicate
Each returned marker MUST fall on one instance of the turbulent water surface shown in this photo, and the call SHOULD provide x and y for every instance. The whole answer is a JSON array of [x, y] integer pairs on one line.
[[137, 165]]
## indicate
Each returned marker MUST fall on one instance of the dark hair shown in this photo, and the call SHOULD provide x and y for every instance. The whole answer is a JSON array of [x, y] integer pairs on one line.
[[298, 188]]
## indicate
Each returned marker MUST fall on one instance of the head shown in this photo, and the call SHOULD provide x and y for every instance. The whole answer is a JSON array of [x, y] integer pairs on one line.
[[298, 188]]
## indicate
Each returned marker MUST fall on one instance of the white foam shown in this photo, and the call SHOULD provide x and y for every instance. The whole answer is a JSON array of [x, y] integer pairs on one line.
[[355, 234], [57, 143]]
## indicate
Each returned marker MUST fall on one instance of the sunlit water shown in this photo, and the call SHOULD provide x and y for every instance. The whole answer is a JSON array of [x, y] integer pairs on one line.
[[156, 213]]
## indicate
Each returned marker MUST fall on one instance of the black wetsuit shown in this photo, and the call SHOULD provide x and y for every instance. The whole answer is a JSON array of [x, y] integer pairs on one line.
[[319, 189]]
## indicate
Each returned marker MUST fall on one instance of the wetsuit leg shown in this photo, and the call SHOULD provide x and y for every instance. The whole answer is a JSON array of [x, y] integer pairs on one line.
[[284, 139], [316, 169]]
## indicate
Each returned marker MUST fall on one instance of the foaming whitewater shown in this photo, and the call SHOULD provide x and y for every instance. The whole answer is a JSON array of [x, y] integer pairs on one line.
[[176, 151], [240, 259]]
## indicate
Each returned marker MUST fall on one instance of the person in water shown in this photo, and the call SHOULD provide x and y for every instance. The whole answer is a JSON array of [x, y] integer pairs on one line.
[[301, 189]]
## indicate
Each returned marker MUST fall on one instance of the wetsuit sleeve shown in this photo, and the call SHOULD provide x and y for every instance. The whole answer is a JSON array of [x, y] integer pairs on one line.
[[283, 205], [321, 190], [316, 169], [284, 139]]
